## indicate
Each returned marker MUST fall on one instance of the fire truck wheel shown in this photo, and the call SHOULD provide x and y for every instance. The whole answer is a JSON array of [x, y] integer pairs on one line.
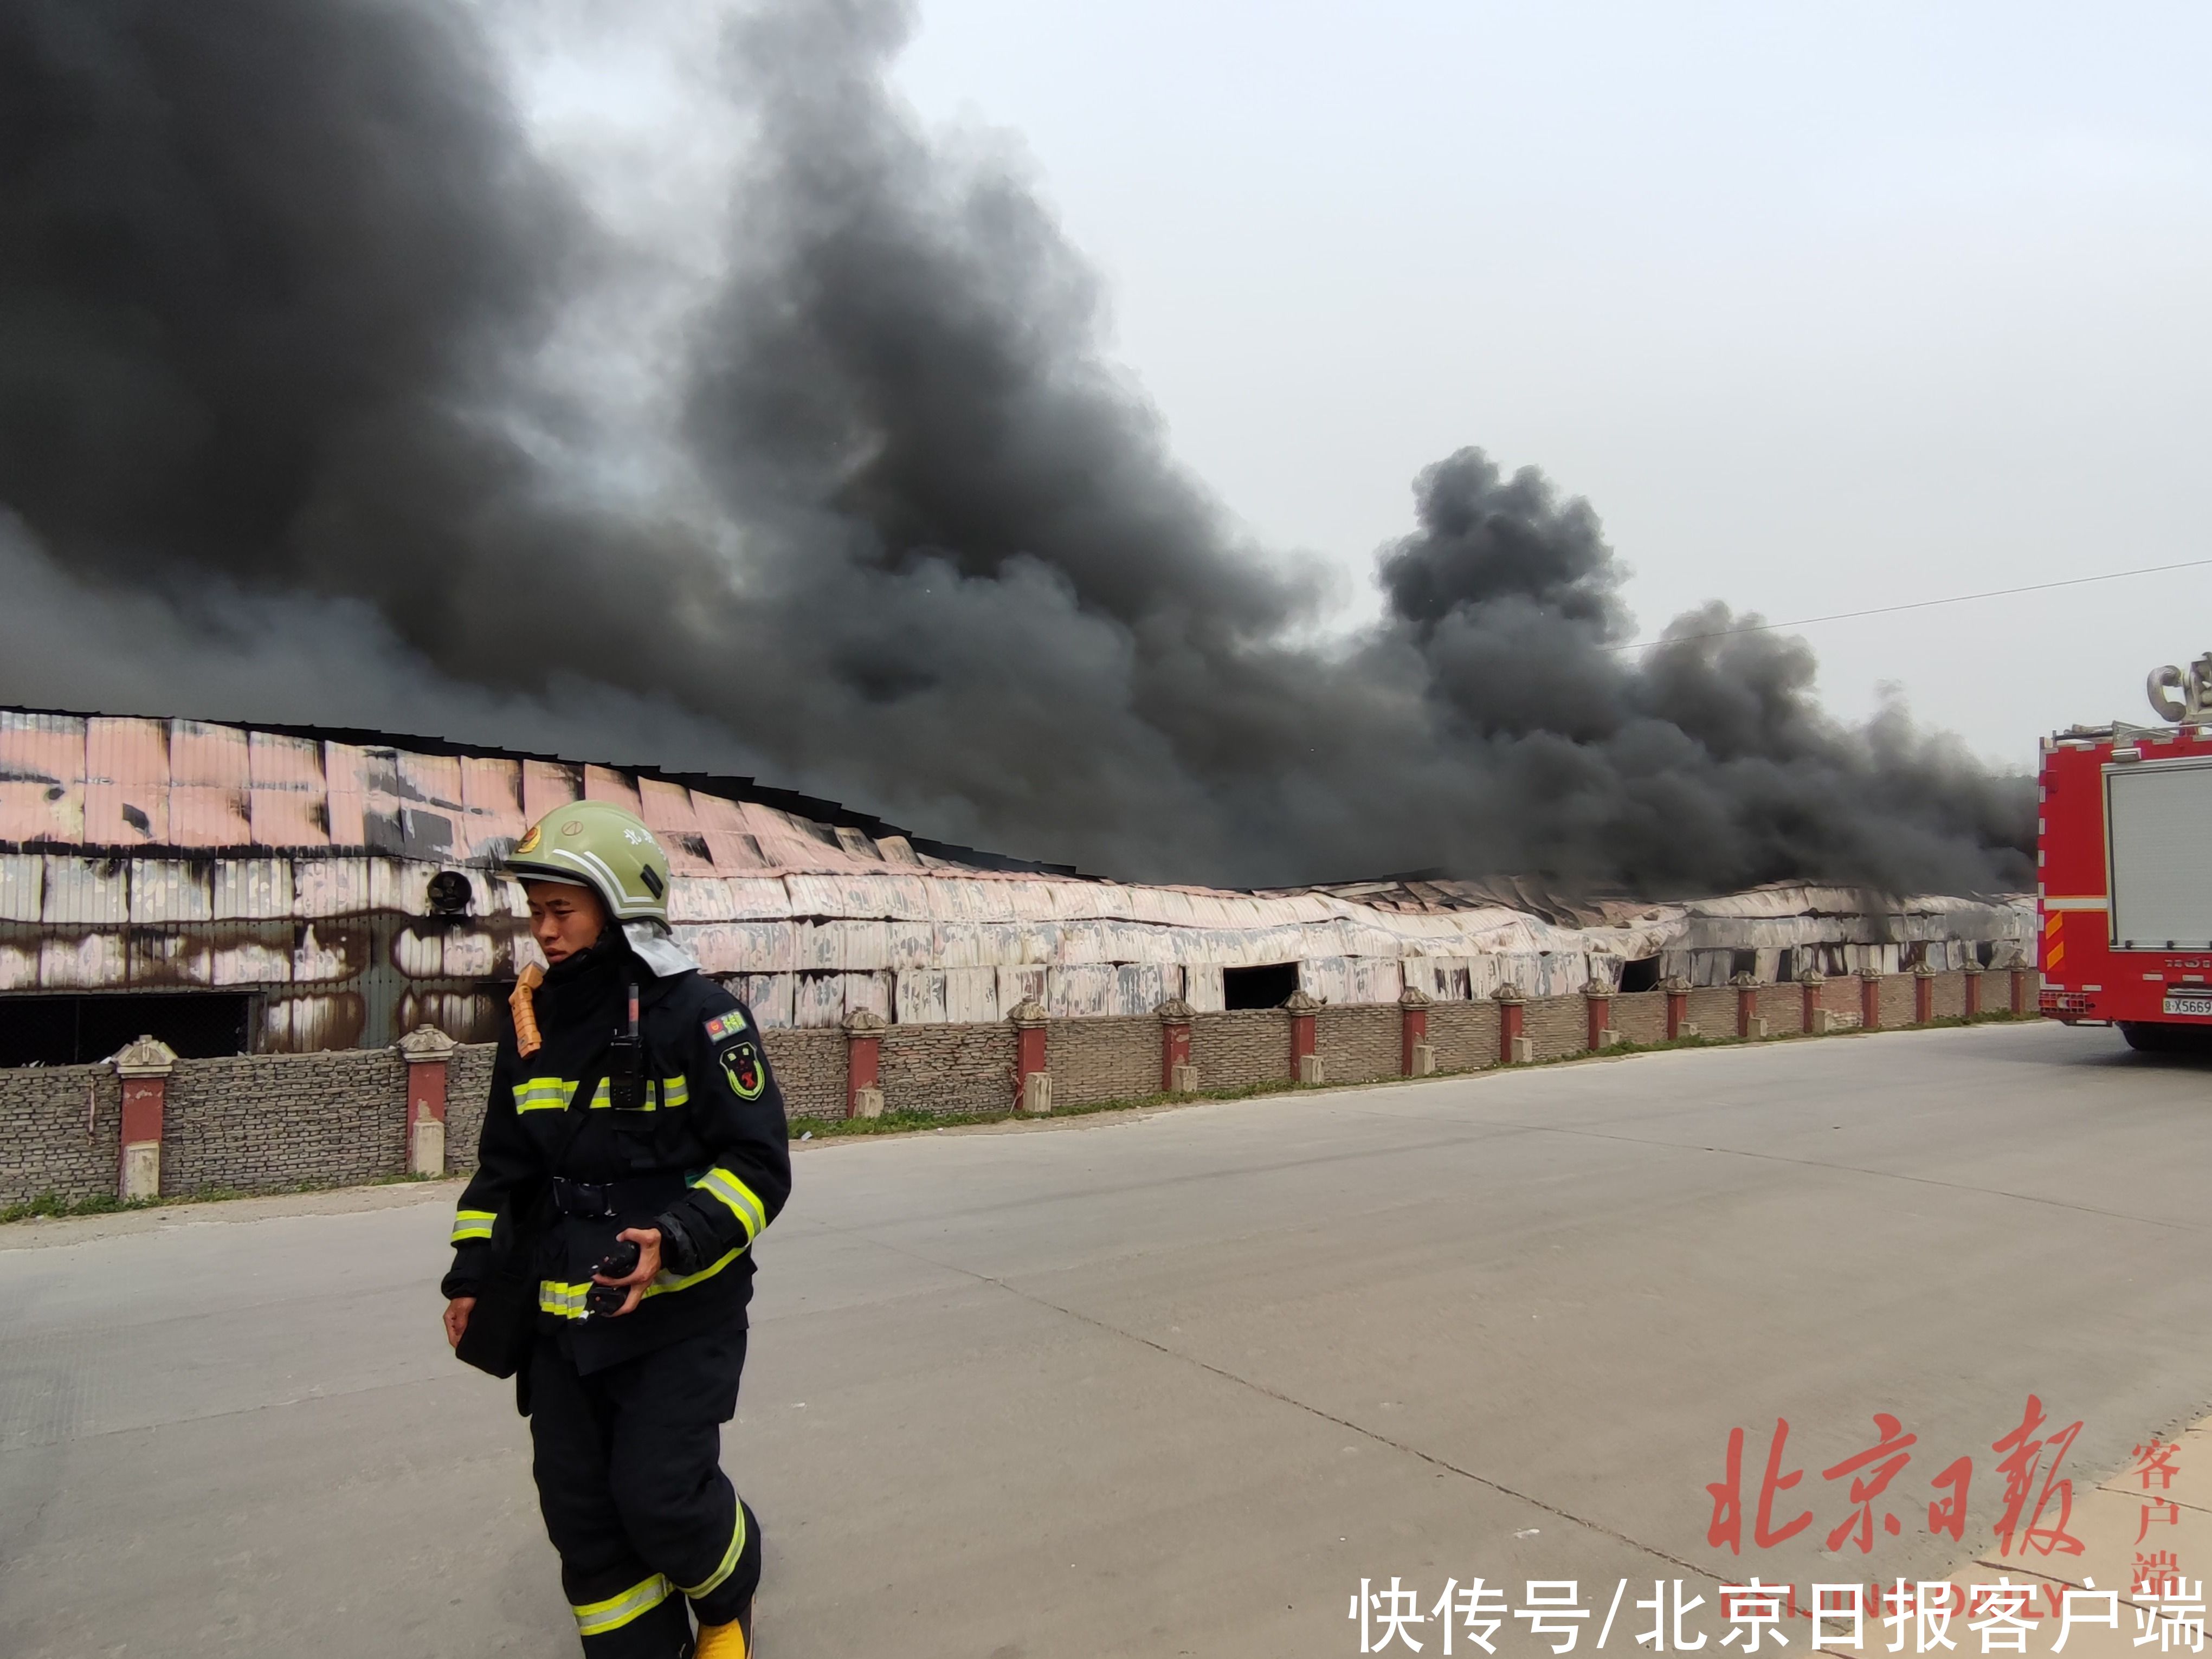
[[2159, 1039]]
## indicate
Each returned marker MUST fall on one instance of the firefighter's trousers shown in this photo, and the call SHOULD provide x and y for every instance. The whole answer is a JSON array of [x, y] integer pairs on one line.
[[631, 1485]]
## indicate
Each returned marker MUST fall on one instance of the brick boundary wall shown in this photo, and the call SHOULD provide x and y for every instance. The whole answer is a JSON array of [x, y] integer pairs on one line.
[[1951, 995], [1464, 1035], [1712, 1009], [257, 1123], [1897, 999], [263, 1122], [1245, 1050], [1556, 1027], [1359, 1042], [1098, 1059], [468, 1090], [61, 1131], [1783, 1008], [1641, 1016], [949, 1070], [809, 1070]]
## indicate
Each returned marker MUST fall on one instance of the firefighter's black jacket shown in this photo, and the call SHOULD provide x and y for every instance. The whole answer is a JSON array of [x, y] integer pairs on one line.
[[706, 1159]]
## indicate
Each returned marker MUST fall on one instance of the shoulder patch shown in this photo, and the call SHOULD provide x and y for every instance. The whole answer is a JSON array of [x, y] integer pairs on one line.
[[723, 1027], [741, 1065]]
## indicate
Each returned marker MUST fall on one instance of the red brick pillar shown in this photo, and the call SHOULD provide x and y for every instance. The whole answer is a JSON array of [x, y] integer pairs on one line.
[[1305, 1049], [1597, 1002], [1973, 989], [427, 1052], [1177, 1075], [1031, 1065], [1748, 1024], [2020, 990], [864, 1062], [1869, 999], [1808, 984], [1513, 1048], [1678, 1005], [144, 1067], [1415, 1057], [1923, 994]]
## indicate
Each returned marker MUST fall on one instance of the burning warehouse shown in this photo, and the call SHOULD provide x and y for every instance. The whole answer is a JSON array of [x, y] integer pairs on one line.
[[259, 888]]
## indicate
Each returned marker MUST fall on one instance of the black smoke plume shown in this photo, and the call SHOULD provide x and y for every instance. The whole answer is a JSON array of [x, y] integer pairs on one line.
[[296, 420]]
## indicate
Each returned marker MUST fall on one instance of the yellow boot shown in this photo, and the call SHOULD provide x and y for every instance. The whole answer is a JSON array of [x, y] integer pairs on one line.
[[732, 1641]]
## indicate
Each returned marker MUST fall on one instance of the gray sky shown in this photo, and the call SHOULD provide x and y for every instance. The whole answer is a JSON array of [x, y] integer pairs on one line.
[[1820, 306], [1817, 320]]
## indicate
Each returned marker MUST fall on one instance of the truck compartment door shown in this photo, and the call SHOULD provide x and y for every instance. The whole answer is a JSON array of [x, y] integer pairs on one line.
[[2158, 816]]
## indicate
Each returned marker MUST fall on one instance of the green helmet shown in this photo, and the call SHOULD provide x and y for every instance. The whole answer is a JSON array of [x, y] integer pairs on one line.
[[595, 844]]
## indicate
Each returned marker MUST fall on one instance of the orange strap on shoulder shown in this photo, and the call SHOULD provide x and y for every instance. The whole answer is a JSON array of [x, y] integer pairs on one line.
[[527, 1039]]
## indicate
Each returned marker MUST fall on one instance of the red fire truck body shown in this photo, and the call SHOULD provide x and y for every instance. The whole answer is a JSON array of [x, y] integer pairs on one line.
[[2124, 883]]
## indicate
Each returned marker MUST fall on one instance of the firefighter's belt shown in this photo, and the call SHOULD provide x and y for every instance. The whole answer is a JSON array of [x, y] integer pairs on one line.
[[600, 1201]]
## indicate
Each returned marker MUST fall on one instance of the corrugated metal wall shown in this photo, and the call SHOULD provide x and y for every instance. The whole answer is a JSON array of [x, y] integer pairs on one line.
[[171, 855]]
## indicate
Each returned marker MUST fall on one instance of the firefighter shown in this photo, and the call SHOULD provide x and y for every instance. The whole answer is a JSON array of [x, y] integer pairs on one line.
[[681, 1150]]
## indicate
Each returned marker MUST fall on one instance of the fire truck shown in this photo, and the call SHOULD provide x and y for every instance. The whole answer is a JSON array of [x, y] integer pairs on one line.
[[2124, 891]]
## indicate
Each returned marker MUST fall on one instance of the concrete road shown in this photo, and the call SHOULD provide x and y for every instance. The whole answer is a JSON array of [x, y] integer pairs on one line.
[[1170, 1385]]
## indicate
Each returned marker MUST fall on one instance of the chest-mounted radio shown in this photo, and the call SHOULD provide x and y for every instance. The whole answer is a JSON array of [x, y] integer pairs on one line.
[[626, 1064]]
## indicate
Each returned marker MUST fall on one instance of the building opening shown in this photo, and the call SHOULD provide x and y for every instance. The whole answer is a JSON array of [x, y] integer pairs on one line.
[[1259, 988], [1642, 975], [78, 1031]]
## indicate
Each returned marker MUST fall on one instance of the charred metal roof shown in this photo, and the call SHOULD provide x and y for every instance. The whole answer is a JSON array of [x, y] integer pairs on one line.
[[1432, 892], [1429, 892], [123, 784]]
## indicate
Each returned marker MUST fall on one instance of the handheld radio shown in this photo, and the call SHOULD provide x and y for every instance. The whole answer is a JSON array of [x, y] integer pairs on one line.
[[626, 1065]]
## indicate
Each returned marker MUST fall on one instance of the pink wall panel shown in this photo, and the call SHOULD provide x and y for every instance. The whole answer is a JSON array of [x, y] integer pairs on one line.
[[344, 789], [430, 793], [605, 783], [210, 782], [546, 785], [287, 805], [381, 799], [722, 826], [126, 785], [436, 778], [666, 806], [786, 845], [491, 790], [41, 778], [667, 809]]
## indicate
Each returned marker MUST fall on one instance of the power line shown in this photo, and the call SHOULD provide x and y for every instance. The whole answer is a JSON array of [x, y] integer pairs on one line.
[[1914, 604]]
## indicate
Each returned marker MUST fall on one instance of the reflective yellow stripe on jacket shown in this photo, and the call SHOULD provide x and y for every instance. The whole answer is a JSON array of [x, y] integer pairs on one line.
[[741, 1201], [470, 1225], [551, 1094], [554, 1094], [566, 1301]]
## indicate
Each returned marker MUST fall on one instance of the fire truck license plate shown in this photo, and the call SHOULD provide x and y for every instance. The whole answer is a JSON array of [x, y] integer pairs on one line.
[[2189, 1002]]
